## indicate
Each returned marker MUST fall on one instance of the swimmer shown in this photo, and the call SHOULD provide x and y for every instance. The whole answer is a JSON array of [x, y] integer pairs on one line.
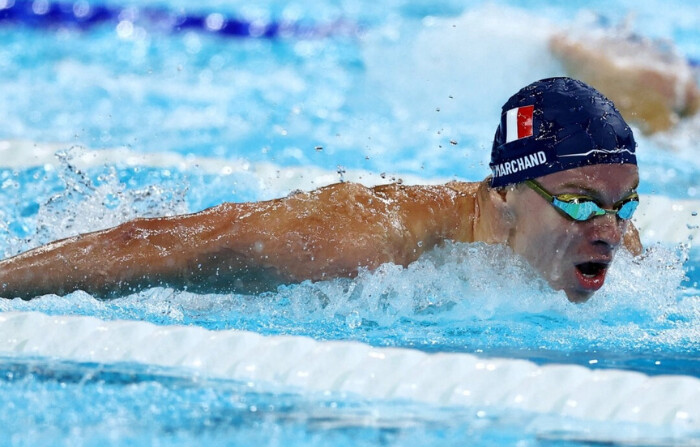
[[561, 195], [651, 84]]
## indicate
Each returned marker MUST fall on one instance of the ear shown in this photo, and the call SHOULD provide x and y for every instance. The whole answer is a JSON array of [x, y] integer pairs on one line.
[[498, 215], [502, 200]]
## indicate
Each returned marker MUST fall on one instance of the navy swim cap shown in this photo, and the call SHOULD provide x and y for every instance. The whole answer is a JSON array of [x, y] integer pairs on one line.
[[557, 124]]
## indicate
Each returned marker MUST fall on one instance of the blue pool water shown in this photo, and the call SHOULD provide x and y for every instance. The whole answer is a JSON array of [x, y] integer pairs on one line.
[[411, 94], [127, 405]]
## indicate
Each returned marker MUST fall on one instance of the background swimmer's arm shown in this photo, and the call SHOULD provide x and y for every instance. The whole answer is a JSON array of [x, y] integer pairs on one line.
[[247, 247], [651, 85]]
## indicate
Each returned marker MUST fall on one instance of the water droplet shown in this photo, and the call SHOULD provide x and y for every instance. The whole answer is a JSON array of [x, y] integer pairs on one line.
[[353, 320], [111, 201], [341, 172]]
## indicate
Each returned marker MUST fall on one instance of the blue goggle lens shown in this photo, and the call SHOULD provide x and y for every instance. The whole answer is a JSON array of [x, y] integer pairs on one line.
[[582, 210], [627, 209]]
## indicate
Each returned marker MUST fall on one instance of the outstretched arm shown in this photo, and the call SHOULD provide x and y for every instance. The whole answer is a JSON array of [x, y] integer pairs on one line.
[[247, 247]]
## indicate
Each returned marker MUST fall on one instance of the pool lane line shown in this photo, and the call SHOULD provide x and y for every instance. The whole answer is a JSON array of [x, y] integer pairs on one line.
[[84, 15], [300, 363]]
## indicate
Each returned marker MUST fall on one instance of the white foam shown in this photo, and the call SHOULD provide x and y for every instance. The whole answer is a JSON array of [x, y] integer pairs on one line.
[[502, 48], [379, 373], [662, 219]]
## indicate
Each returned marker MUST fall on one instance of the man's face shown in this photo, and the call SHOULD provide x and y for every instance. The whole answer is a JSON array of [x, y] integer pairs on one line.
[[572, 256]]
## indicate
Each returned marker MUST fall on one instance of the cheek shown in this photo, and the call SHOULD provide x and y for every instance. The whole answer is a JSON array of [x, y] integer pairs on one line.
[[544, 242]]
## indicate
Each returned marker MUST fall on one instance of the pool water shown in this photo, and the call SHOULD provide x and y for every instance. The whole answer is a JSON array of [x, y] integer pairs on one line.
[[94, 404], [151, 122]]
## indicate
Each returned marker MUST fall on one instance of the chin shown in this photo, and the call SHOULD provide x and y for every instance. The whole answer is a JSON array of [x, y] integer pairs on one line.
[[578, 296]]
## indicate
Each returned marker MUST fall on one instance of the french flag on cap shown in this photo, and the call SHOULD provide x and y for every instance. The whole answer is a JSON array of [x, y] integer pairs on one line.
[[519, 123]]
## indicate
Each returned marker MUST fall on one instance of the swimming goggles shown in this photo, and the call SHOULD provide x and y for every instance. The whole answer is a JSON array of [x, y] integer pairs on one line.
[[582, 208]]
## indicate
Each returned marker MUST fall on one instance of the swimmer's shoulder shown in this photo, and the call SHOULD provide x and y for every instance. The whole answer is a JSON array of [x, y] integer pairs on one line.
[[446, 191], [440, 195], [464, 188]]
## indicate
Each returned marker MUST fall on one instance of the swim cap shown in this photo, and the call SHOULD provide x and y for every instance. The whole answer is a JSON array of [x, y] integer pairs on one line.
[[557, 124]]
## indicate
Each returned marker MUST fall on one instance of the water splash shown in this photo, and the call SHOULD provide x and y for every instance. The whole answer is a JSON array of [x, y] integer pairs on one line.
[[88, 202], [460, 297]]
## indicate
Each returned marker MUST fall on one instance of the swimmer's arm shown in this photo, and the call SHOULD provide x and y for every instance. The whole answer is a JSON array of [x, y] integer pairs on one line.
[[247, 247], [649, 86]]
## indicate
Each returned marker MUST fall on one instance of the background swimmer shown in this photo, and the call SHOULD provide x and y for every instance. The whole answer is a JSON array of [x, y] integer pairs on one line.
[[652, 85]]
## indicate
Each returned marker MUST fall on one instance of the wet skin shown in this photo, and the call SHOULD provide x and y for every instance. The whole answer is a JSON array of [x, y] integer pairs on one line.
[[333, 232], [572, 256]]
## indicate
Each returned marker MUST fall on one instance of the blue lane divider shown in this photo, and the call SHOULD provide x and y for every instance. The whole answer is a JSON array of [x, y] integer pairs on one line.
[[84, 15]]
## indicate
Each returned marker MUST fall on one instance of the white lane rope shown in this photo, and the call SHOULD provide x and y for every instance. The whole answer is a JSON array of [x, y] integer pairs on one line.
[[300, 363]]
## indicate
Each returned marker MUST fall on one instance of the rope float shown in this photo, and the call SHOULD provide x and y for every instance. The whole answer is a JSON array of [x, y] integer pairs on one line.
[[84, 16], [450, 379]]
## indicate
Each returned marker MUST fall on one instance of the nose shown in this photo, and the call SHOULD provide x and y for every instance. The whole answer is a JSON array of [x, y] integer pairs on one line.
[[608, 230]]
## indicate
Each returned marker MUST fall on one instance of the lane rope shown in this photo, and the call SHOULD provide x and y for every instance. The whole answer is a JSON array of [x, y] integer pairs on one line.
[[301, 363], [84, 15]]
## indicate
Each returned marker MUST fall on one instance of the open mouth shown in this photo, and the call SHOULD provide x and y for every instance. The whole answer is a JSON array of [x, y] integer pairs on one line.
[[591, 269], [591, 275]]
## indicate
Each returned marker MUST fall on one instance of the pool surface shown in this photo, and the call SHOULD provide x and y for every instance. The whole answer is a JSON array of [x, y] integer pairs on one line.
[[130, 116]]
